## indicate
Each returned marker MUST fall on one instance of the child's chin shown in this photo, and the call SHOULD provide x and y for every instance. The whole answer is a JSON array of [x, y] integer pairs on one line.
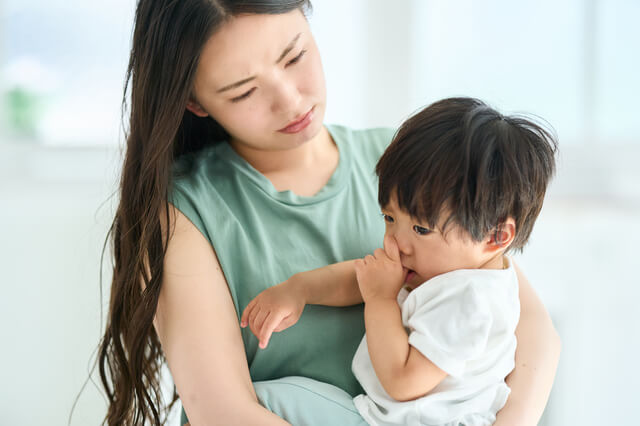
[[414, 282]]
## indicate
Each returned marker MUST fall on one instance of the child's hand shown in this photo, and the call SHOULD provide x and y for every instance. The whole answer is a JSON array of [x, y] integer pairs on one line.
[[275, 309], [381, 275]]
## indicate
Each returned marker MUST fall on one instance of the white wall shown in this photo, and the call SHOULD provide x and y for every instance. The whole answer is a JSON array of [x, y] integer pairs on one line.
[[381, 63], [54, 226]]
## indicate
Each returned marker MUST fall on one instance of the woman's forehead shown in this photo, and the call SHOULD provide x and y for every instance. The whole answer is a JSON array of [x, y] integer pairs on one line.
[[246, 43]]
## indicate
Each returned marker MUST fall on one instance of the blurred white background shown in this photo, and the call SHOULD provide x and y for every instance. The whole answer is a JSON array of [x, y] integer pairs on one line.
[[573, 63]]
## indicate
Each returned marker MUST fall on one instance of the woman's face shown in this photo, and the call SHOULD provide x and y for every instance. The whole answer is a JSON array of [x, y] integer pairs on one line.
[[261, 78]]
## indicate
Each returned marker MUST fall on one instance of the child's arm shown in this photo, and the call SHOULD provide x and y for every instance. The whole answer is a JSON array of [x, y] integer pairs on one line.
[[279, 307], [403, 371], [332, 285]]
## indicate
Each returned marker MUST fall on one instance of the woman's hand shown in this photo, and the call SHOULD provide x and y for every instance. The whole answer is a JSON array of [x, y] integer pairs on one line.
[[275, 309], [381, 275]]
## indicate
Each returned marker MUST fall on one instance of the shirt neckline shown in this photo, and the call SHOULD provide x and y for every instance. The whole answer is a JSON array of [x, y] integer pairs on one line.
[[334, 185]]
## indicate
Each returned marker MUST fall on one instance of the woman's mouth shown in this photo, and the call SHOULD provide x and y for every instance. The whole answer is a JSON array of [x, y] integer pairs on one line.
[[299, 124]]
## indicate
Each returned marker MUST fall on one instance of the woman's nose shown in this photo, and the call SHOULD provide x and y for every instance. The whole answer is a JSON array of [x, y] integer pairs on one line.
[[286, 97]]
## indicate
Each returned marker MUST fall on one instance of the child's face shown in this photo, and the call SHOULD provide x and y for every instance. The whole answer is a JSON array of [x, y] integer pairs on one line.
[[425, 252]]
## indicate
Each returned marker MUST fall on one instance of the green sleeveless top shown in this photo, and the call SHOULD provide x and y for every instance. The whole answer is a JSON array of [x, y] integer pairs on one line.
[[262, 237]]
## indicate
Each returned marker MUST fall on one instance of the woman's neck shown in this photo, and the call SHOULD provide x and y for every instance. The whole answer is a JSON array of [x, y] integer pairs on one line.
[[308, 154], [304, 169]]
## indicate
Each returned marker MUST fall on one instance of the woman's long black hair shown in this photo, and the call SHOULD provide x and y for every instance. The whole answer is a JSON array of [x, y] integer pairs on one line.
[[168, 38]]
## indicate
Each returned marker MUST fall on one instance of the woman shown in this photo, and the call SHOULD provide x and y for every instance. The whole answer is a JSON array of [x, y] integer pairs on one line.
[[231, 184]]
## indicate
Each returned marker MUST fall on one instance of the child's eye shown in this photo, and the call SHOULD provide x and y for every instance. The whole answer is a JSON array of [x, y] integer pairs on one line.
[[420, 230], [387, 218], [297, 58]]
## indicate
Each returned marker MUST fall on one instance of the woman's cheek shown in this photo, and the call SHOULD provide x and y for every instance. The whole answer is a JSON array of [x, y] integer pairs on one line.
[[244, 121], [318, 73], [316, 80]]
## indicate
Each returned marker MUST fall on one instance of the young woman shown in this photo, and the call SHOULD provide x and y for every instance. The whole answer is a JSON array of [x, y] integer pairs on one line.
[[231, 183]]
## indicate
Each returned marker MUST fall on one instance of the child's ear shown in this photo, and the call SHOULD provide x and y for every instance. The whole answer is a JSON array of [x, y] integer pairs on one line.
[[502, 237], [195, 108]]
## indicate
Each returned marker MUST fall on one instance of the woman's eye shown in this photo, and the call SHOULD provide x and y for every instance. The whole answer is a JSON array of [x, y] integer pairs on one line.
[[296, 59], [243, 96], [420, 230], [387, 218]]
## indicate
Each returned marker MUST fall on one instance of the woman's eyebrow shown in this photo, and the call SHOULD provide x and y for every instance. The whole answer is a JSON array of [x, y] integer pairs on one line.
[[289, 47], [284, 53], [236, 84]]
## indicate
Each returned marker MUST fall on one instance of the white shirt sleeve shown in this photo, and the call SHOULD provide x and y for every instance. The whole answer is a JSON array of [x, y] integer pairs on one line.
[[448, 322]]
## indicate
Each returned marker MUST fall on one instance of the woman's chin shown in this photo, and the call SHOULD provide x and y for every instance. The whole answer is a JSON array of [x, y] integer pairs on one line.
[[307, 135]]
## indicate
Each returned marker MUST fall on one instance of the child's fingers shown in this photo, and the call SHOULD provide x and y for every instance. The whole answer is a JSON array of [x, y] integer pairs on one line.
[[379, 254], [286, 322], [391, 248], [268, 327], [358, 264], [244, 320], [251, 319], [258, 320]]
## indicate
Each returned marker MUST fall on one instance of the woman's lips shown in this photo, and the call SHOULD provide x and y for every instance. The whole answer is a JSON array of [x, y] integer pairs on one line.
[[299, 124]]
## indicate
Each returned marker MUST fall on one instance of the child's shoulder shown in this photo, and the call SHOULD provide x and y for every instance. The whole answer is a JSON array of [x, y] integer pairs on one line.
[[465, 286]]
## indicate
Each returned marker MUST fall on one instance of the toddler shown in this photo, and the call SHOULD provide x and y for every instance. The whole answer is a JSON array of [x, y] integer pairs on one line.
[[460, 186]]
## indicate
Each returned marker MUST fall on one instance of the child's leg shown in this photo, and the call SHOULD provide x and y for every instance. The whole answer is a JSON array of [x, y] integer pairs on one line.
[[303, 401]]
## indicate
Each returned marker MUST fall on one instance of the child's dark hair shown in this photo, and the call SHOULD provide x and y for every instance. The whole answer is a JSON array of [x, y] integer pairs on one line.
[[461, 158]]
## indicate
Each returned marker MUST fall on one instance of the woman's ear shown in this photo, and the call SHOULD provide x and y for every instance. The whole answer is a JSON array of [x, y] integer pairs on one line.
[[195, 108], [502, 237]]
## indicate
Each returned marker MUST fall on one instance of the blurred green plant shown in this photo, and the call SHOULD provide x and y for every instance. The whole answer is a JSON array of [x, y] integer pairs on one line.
[[23, 110]]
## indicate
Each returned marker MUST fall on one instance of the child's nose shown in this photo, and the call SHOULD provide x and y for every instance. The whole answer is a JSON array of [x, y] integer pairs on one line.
[[404, 245]]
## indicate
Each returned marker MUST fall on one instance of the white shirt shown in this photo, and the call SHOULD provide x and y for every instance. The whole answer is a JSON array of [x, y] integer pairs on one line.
[[464, 322]]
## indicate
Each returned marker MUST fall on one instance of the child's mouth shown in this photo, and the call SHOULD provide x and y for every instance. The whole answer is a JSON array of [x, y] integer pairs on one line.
[[410, 274]]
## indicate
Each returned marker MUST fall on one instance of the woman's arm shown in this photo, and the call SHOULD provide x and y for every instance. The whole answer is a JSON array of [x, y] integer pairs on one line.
[[200, 336], [537, 357]]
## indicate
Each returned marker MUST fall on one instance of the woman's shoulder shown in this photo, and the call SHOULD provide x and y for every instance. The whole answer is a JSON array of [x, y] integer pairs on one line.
[[379, 135], [365, 143], [196, 174], [188, 165]]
